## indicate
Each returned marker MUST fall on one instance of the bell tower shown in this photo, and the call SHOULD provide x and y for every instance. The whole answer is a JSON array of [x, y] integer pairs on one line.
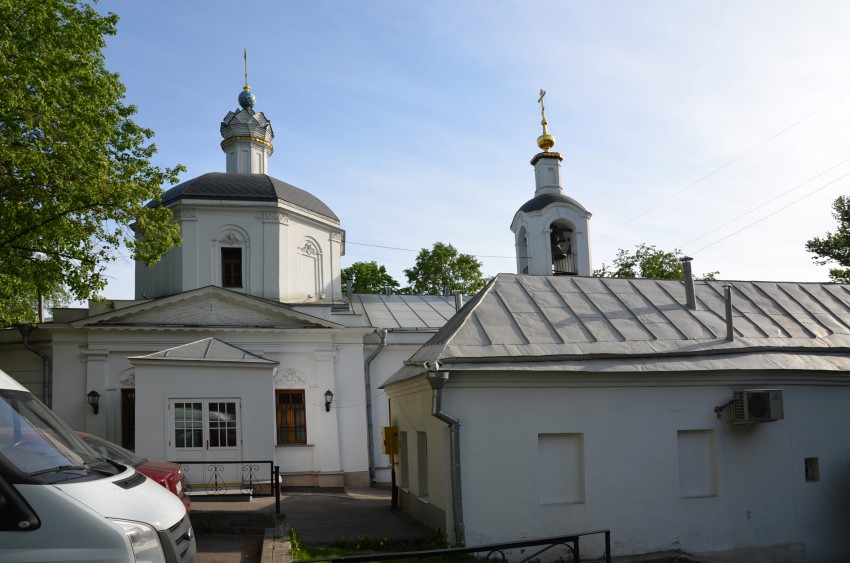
[[551, 229]]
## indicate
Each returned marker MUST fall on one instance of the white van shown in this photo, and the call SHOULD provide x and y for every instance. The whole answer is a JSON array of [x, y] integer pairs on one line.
[[60, 502]]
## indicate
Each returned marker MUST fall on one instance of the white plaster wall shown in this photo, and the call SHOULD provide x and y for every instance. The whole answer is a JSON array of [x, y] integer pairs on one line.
[[159, 381], [631, 466], [270, 256]]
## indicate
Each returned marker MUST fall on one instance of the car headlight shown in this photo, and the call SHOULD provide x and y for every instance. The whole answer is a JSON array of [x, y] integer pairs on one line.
[[144, 541]]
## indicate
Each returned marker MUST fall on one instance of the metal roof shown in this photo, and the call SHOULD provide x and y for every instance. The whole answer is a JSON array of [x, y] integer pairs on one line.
[[208, 349], [404, 312], [246, 187], [588, 323]]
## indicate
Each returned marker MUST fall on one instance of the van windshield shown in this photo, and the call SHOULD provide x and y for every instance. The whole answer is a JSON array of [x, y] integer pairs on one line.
[[38, 444]]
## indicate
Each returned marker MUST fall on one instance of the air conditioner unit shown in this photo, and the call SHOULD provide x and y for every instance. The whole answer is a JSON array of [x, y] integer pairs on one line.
[[757, 405]]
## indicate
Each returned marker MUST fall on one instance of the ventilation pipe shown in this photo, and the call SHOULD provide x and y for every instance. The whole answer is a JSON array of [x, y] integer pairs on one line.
[[727, 295], [367, 375], [388, 289], [47, 376], [458, 300], [690, 297], [349, 285], [437, 380]]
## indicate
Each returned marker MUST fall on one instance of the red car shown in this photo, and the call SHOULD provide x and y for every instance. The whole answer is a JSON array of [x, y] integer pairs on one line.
[[169, 475]]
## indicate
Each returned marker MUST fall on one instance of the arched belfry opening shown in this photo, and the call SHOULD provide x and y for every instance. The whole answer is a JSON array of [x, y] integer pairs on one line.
[[564, 261]]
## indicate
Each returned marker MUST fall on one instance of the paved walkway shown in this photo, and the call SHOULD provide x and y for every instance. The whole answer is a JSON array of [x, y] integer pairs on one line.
[[319, 516]]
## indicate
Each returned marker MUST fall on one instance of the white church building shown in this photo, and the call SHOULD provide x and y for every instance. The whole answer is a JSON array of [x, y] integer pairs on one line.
[[240, 344]]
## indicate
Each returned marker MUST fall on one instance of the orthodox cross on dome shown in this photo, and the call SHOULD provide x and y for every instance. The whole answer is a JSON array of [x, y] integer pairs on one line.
[[246, 98], [544, 141]]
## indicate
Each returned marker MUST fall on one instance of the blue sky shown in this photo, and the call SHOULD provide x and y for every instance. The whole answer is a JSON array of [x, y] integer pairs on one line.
[[717, 127]]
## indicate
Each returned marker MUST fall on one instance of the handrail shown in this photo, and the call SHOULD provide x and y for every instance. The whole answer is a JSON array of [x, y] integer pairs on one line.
[[214, 482], [492, 551]]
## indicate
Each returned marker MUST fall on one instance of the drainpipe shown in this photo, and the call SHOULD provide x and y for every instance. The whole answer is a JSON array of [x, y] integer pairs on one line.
[[437, 379], [367, 374], [47, 390], [688, 274]]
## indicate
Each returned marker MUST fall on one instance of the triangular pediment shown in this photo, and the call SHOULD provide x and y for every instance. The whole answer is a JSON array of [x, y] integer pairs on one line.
[[207, 307]]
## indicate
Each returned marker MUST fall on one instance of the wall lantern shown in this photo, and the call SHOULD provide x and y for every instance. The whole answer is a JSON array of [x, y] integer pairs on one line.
[[93, 399], [329, 397]]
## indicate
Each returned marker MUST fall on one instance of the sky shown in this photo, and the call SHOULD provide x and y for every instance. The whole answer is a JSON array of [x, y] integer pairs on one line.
[[720, 128]]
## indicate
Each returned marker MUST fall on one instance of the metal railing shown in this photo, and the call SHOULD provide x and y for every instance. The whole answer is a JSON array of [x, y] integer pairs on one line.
[[493, 551], [216, 481]]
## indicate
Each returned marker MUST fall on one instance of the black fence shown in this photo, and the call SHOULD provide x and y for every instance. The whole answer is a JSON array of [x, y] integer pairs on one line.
[[255, 478], [516, 552]]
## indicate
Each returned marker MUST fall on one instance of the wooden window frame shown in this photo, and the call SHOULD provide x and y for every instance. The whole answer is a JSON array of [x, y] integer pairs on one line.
[[231, 266], [290, 428]]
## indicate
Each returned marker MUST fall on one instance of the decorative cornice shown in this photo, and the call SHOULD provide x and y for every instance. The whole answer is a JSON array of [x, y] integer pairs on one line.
[[275, 217], [336, 237], [183, 214], [540, 155], [235, 138]]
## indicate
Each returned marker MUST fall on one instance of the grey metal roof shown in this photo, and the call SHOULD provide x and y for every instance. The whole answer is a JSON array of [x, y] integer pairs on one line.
[[586, 323], [401, 312], [246, 187], [209, 349]]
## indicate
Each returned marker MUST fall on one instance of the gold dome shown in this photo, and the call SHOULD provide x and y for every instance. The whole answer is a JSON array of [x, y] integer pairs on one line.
[[545, 141]]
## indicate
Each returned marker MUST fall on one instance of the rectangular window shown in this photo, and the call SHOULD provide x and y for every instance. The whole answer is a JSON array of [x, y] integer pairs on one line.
[[812, 466], [560, 468], [291, 417], [697, 463], [231, 267]]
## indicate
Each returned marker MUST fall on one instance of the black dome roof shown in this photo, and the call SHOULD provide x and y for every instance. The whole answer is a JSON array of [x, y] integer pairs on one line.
[[246, 187], [544, 200]]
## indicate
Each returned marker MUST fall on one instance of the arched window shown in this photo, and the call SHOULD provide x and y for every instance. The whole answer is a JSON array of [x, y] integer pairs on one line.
[[309, 270]]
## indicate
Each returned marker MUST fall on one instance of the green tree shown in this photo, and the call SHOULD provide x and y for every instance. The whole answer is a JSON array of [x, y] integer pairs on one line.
[[647, 262], [368, 277], [75, 170], [443, 266], [835, 246]]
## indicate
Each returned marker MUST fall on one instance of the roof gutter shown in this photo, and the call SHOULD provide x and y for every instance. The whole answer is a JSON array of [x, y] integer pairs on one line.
[[437, 380], [367, 375]]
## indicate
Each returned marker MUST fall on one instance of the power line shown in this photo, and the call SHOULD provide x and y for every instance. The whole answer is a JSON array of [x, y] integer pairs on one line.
[[716, 170], [774, 213], [754, 209], [418, 250]]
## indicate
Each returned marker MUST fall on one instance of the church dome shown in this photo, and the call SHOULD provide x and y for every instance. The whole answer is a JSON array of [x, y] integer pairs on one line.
[[545, 200], [246, 187]]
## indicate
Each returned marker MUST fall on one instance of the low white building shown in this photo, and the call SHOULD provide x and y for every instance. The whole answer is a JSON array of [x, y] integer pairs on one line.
[[594, 403], [677, 417]]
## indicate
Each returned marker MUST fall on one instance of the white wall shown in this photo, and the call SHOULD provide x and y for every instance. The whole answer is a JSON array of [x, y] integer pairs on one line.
[[631, 476]]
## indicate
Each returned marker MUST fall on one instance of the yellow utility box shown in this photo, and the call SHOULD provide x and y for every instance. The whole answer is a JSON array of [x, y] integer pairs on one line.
[[389, 440]]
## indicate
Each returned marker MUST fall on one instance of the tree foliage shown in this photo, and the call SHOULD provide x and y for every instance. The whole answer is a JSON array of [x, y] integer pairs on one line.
[[368, 277], [647, 261], [835, 247], [443, 266], [75, 169]]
